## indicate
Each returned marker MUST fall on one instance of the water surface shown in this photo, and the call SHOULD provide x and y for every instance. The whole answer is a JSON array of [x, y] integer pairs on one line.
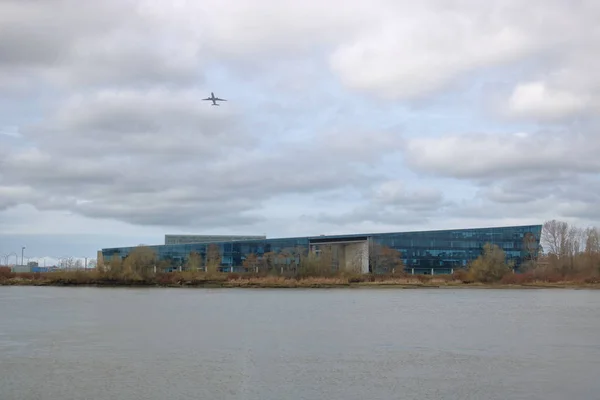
[[262, 344]]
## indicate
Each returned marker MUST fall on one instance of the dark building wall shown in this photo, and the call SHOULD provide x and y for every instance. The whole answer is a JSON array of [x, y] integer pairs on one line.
[[188, 239], [450, 249], [441, 250]]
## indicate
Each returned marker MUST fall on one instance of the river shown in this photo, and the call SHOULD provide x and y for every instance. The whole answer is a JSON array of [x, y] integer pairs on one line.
[[269, 344]]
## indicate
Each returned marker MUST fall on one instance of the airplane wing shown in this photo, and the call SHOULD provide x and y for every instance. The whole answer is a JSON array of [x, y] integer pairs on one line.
[[216, 98], [208, 98]]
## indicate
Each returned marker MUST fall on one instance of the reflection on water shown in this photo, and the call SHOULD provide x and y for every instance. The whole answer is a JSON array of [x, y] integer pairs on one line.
[[92, 343]]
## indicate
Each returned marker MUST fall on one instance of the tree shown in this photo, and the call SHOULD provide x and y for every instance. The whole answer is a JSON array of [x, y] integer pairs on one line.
[[530, 251], [162, 265], [213, 258], [592, 250], [265, 263], [317, 263], [555, 237], [115, 266], [67, 263], [530, 246], [573, 252], [251, 262], [140, 262], [491, 265], [386, 258], [194, 262], [592, 240], [282, 259]]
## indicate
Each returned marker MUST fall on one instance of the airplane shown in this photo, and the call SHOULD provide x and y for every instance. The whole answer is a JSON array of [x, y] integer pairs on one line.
[[214, 99]]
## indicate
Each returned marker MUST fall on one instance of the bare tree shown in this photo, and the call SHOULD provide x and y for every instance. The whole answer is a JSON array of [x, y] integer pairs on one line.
[[266, 262], [213, 258], [530, 253], [592, 240], [194, 262], [282, 259], [555, 237], [251, 262], [78, 264]]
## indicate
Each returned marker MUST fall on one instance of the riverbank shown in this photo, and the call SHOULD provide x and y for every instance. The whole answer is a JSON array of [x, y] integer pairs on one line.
[[202, 280]]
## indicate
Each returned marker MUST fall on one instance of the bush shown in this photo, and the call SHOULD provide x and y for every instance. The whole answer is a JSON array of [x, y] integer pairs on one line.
[[461, 275], [490, 266], [6, 273]]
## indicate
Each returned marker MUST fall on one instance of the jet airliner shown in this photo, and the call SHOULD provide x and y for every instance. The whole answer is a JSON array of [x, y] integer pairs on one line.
[[214, 99]]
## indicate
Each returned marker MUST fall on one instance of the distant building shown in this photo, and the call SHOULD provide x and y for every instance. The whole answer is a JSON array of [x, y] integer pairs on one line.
[[21, 268], [188, 239], [423, 252]]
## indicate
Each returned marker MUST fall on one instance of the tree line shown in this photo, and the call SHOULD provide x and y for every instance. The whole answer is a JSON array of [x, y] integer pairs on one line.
[[565, 252], [143, 262]]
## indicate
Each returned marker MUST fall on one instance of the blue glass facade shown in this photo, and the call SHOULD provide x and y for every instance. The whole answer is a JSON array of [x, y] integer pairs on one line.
[[421, 252]]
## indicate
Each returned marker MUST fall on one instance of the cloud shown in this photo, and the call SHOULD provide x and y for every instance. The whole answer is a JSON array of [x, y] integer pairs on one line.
[[393, 49], [72, 43], [417, 49], [487, 156], [391, 202], [101, 116], [537, 100], [159, 157]]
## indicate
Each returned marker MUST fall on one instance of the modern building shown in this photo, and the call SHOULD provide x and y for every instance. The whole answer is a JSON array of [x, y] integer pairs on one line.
[[189, 239], [423, 252]]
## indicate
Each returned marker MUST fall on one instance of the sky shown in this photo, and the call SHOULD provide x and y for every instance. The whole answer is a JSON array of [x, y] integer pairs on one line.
[[342, 117]]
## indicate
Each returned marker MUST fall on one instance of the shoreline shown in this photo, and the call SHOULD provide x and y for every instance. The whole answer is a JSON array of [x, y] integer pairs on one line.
[[297, 284]]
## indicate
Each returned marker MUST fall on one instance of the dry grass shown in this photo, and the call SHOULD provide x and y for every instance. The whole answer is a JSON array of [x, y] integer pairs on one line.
[[248, 280]]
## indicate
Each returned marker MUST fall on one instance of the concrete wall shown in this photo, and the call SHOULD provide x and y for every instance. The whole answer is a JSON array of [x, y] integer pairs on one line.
[[349, 256], [356, 255]]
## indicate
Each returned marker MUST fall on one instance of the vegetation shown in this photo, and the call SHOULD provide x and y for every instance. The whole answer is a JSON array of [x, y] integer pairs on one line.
[[571, 258], [490, 266]]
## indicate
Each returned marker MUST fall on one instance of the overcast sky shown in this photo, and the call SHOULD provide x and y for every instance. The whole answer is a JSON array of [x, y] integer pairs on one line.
[[343, 116]]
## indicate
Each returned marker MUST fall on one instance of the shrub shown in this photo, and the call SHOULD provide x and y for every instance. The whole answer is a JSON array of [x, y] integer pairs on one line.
[[490, 266]]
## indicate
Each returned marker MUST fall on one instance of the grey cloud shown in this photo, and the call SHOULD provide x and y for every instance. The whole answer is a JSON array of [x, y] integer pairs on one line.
[[162, 158], [74, 43], [485, 156], [160, 211], [39, 33], [132, 142], [516, 199], [12, 196], [143, 42], [158, 124], [395, 193], [392, 202], [548, 174], [370, 214], [471, 36]]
